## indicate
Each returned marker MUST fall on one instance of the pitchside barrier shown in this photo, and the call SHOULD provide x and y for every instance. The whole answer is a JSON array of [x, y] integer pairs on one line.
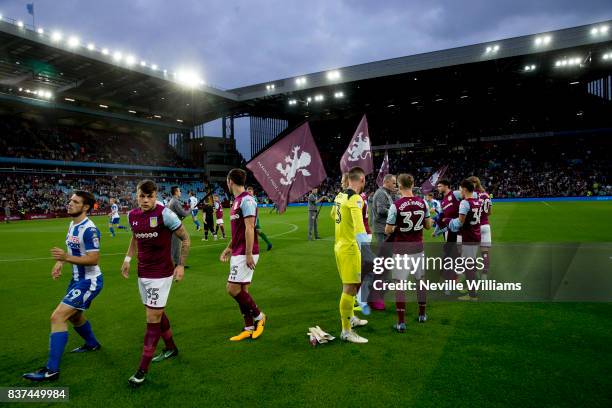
[[495, 200]]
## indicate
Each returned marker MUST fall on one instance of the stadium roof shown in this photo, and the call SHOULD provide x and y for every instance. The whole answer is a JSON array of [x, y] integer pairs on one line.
[[426, 76], [84, 80], [90, 82]]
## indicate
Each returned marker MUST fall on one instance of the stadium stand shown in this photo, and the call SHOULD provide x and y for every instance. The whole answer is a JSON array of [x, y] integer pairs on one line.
[[47, 194], [27, 139], [527, 167]]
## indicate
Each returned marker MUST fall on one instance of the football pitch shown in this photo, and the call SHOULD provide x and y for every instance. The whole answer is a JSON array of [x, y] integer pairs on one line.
[[476, 354]]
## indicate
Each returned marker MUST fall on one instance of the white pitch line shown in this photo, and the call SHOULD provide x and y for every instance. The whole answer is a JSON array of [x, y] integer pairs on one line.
[[545, 203], [292, 230]]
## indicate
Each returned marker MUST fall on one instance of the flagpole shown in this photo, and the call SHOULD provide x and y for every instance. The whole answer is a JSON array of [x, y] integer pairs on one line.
[[33, 16]]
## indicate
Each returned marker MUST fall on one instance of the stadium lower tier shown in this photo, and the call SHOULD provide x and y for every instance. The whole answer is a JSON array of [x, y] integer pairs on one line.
[[44, 195]]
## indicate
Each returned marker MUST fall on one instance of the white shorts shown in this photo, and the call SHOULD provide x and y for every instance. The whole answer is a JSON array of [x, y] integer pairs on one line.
[[469, 251], [219, 221], [154, 292], [418, 272], [459, 238], [485, 235], [239, 271]]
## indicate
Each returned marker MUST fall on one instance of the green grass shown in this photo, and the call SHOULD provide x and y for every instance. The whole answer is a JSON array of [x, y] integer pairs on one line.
[[493, 354]]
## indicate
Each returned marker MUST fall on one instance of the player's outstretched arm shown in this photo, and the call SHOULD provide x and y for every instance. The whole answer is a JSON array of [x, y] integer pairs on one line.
[[89, 259], [125, 268], [389, 229], [225, 254], [179, 269], [456, 223], [249, 236], [56, 271], [179, 210], [391, 220]]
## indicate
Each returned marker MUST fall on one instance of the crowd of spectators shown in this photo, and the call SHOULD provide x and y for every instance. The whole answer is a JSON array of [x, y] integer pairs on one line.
[[546, 167], [46, 193], [25, 139], [536, 167]]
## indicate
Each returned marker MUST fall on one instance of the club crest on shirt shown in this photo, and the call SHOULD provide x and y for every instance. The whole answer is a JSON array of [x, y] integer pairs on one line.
[[450, 198], [153, 222]]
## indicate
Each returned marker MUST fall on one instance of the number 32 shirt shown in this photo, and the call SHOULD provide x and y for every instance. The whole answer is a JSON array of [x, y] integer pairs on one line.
[[408, 215]]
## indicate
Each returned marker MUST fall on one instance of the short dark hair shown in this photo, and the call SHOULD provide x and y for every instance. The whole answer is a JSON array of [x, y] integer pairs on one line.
[[147, 186], [430, 194], [468, 185], [88, 198], [173, 189], [355, 173], [238, 176], [405, 180], [444, 182]]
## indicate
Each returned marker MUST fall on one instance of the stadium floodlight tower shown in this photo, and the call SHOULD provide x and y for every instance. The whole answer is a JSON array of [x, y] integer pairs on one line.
[[188, 78]]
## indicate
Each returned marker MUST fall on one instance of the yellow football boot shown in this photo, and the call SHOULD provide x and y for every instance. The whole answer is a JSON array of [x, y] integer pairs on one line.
[[261, 323], [245, 334]]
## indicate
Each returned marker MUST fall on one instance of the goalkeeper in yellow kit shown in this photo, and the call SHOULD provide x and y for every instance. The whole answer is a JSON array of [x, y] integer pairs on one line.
[[350, 233]]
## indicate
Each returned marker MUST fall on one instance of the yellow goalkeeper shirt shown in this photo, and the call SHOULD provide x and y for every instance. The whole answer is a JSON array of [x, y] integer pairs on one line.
[[347, 212]]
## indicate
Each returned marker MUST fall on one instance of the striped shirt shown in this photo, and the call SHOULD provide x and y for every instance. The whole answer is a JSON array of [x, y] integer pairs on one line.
[[82, 238]]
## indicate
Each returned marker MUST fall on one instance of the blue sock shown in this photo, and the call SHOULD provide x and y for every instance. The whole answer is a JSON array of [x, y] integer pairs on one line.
[[197, 223], [112, 231], [121, 227], [57, 343], [87, 334]]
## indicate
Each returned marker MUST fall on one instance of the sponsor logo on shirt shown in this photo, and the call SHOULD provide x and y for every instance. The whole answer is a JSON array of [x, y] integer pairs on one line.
[[146, 235], [73, 242]]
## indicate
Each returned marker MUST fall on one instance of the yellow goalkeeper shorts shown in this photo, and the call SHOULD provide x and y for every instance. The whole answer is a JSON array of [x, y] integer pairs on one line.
[[349, 266]]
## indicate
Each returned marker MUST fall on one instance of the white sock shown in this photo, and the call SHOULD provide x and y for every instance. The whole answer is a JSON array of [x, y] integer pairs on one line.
[[260, 316]]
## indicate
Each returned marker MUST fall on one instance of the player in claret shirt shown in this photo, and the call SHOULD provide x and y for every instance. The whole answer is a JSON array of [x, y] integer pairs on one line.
[[449, 210], [152, 228], [219, 216], [83, 244], [485, 227], [243, 254], [407, 218], [468, 223]]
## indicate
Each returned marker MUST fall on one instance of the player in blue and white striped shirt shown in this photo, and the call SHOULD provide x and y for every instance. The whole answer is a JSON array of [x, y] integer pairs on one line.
[[83, 252], [435, 208], [193, 205], [114, 218]]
